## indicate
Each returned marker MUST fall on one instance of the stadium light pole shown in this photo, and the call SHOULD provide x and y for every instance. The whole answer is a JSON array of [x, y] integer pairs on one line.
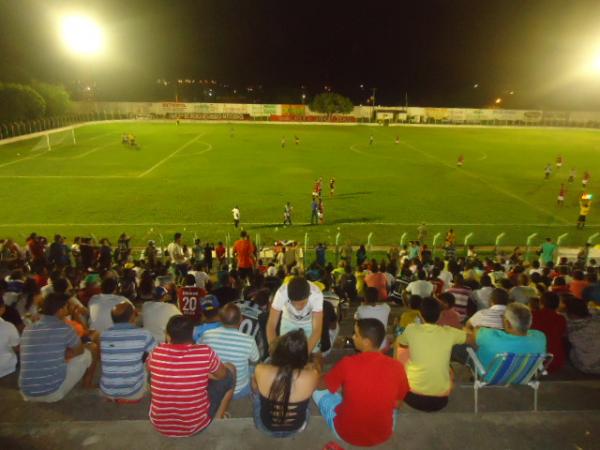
[[373, 103]]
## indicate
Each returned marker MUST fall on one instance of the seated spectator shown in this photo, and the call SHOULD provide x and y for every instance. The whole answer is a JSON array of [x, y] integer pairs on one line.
[[53, 358], [448, 316], [189, 383], [347, 283], [413, 315], [188, 298], [372, 386], [560, 286], [255, 312], [156, 315], [492, 317], [464, 304], [515, 338], [425, 351], [578, 284], [583, 333], [554, 326], [233, 346], [378, 280], [592, 292], [211, 317], [372, 309], [101, 305], [522, 292], [283, 387], [123, 350], [420, 287], [200, 276], [227, 292], [9, 344]]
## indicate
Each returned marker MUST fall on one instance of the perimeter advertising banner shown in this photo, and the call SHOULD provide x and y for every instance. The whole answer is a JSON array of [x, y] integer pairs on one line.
[[437, 113], [293, 110]]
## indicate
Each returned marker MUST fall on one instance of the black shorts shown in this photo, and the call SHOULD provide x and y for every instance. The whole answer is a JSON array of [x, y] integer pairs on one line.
[[427, 403], [217, 390], [581, 218]]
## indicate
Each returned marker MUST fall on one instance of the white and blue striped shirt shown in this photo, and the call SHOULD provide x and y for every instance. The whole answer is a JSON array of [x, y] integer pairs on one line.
[[235, 347], [122, 348]]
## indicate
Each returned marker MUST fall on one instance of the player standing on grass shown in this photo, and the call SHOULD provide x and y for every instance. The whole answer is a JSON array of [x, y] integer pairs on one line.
[[572, 174], [559, 161], [547, 171], [585, 203], [287, 214], [460, 161], [321, 212], [236, 216], [331, 186], [371, 139], [283, 142], [560, 201], [397, 139], [296, 140], [586, 179]]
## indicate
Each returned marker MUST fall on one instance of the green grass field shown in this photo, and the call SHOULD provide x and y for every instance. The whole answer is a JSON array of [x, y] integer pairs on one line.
[[188, 177]]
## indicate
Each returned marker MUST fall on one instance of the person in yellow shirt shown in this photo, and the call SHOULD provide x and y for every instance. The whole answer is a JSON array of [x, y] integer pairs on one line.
[[584, 209], [412, 315], [425, 350]]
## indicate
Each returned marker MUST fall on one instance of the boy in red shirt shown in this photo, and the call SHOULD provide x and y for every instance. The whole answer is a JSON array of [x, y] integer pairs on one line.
[[554, 326], [364, 414]]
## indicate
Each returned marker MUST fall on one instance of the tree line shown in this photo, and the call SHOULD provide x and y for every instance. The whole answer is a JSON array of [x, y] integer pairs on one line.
[[23, 102]]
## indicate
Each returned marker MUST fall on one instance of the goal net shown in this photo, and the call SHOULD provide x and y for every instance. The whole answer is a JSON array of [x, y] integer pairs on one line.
[[52, 140]]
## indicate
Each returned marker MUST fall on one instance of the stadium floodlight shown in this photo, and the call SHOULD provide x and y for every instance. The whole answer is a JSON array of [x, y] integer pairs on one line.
[[498, 101], [82, 35]]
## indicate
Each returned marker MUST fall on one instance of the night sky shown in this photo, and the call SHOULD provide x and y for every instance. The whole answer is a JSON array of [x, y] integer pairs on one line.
[[429, 52]]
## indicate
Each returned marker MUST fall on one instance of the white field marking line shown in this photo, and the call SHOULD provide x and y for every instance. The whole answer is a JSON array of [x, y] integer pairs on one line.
[[164, 160], [89, 152], [490, 185], [15, 161], [208, 148], [483, 156], [146, 224], [355, 150]]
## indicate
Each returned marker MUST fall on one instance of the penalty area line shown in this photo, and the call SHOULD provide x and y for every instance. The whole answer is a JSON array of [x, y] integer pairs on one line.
[[164, 160]]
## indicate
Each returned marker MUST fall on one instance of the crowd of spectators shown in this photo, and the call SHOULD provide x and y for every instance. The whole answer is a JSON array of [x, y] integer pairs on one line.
[[200, 331]]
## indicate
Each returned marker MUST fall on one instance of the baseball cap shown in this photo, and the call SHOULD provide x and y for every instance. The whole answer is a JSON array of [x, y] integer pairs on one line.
[[209, 302]]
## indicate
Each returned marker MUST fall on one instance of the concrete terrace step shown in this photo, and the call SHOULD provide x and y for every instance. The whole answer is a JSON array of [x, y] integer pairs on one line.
[[88, 405], [515, 431]]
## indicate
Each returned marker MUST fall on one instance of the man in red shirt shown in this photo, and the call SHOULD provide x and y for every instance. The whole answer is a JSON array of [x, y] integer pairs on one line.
[[554, 326], [189, 384], [373, 386], [244, 250], [188, 299]]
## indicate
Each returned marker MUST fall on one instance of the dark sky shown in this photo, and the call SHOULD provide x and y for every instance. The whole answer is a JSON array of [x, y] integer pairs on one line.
[[435, 51]]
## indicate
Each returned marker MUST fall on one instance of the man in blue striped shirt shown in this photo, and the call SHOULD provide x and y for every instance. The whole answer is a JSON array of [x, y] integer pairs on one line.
[[123, 350], [53, 358], [233, 346]]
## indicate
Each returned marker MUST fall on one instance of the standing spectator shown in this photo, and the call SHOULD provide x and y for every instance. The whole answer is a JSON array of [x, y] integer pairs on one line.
[[425, 351], [190, 386], [583, 333], [283, 387], [321, 252], [208, 256], [233, 346], [554, 326], [101, 305], [515, 338], [299, 304], [492, 317], [244, 251], [58, 253], [377, 280], [177, 256], [578, 284], [104, 255], [151, 254], [123, 248], [9, 343], [372, 386], [547, 251], [123, 350], [53, 358], [361, 255], [220, 253]]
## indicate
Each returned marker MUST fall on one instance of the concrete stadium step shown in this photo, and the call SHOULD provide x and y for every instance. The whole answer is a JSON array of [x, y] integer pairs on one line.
[[88, 405], [492, 431]]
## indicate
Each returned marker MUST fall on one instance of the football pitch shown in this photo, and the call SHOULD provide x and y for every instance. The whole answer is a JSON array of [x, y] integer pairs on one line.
[[188, 177]]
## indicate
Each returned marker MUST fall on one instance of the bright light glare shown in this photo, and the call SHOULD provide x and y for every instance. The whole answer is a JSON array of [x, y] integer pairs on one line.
[[595, 65], [81, 35]]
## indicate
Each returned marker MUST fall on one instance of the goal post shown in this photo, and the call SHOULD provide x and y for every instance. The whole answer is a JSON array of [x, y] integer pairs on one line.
[[52, 139]]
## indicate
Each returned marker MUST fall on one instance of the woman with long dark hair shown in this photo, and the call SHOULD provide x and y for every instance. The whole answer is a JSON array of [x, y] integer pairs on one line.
[[283, 387]]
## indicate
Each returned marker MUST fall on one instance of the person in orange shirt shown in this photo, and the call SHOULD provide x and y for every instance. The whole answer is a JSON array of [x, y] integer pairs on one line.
[[244, 251], [578, 284]]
